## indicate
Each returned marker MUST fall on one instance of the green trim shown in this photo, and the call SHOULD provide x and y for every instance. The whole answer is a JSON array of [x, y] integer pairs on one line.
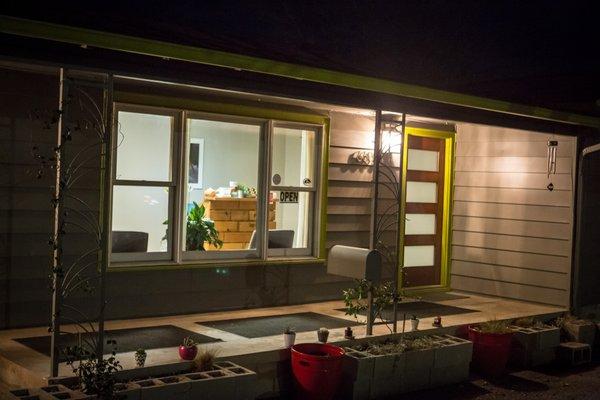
[[240, 110], [222, 108], [447, 207], [136, 45], [172, 266], [324, 190]]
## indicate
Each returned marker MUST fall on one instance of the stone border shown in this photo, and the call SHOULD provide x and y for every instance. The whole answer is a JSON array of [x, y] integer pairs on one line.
[[369, 375], [226, 381]]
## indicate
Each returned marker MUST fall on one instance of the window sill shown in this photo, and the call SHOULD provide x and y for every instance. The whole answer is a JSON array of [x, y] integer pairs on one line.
[[161, 265]]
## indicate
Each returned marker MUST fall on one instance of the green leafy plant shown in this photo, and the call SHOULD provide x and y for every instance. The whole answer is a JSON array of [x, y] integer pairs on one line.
[[355, 299], [200, 230], [96, 374]]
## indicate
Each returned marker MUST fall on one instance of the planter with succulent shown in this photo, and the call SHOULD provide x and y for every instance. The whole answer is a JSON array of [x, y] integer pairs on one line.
[[534, 343], [387, 368], [188, 349], [140, 357], [414, 323], [289, 337], [200, 230], [491, 346], [323, 335]]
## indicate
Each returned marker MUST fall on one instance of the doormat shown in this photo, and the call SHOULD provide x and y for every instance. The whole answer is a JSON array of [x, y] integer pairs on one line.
[[255, 327], [131, 339], [422, 309]]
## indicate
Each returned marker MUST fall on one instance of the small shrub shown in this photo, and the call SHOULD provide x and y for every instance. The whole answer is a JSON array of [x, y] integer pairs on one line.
[[205, 359]]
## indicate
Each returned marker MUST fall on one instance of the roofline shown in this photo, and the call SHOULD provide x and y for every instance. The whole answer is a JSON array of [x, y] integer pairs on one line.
[[165, 50]]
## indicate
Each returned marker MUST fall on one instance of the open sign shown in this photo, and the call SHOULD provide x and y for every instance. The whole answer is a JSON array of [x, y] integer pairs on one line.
[[288, 197]]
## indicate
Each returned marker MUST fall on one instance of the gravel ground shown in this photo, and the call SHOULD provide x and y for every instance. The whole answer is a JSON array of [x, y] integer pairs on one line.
[[552, 382]]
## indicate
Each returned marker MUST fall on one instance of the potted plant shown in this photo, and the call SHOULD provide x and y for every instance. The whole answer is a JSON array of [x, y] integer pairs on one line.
[[289, 336], [414, 322], [491, 346], [140, 357], [322, 335], [200, 230], [188, 349]]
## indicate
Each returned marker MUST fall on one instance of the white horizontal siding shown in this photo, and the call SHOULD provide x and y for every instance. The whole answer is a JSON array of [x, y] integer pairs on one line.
[[511, 236]]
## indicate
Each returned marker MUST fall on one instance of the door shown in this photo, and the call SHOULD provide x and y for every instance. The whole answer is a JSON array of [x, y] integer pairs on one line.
[[425, 208]]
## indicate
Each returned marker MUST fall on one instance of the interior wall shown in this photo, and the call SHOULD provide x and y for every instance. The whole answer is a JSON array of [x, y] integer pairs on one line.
[[511, 236]]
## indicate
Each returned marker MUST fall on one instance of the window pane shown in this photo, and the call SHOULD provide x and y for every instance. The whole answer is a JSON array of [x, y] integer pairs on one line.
[[222, 175], [290, 222], [418, 256], [293, 157], [420, 224], [139, 213], [423, 160], [421, 192], [144, 147]]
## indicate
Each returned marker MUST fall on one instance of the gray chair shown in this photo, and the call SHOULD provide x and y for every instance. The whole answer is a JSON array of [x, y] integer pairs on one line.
[[278, 239], [129, 242]]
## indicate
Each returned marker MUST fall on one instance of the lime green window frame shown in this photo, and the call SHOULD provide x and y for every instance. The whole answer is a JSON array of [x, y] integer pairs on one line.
[[240, 110], [449, 142]]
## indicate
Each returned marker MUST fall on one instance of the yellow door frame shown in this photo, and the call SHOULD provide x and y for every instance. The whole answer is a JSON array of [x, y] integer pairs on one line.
[[446, 214]]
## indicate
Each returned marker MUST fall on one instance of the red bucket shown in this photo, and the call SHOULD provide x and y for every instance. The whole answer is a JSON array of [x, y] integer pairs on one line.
[[317, 370], [490, 351]]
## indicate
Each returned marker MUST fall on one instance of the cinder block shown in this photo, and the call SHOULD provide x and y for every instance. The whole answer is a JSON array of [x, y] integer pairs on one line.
[[574, 353], [417, 369], [581, 331], [128, 391], [453, 351], [388, 373]]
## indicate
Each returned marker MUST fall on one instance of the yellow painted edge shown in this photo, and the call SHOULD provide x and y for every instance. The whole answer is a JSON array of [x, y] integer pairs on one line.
[[241, 110], [172, 266], [234, 109]]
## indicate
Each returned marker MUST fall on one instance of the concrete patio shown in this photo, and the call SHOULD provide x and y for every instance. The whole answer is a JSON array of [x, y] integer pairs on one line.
[[23, 366]]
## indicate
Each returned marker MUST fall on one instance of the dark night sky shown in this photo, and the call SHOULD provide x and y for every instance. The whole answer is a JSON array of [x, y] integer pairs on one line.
[[535, 52]]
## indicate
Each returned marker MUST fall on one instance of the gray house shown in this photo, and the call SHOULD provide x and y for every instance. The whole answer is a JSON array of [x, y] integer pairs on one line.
[[281, 158]]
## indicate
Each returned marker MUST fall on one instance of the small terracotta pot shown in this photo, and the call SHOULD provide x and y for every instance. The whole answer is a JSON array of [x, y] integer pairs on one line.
[[188, 353]]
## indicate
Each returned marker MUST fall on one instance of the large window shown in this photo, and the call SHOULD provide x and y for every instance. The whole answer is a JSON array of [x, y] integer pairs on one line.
[[191, 187]]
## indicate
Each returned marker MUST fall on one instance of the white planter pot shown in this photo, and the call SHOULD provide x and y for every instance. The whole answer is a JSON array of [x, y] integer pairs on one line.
[[414, 323], [289, 339]]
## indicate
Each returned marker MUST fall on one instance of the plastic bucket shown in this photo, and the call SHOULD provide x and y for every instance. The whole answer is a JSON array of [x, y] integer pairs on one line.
[[317, 370], [490, 351]]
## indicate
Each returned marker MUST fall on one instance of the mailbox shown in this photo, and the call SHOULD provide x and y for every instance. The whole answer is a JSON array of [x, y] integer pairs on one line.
[[355, 262]]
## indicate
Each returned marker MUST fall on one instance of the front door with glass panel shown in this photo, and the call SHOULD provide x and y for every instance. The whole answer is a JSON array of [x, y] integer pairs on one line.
[[426, 208]]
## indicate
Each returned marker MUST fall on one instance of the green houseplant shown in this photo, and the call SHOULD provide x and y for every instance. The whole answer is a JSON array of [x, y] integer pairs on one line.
[[200, 230]]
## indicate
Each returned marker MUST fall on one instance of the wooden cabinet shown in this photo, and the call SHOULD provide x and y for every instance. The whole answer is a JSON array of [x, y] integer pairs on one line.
[[235, 220]]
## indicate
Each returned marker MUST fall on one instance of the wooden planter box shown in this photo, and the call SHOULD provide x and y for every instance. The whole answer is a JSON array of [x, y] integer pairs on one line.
[[368, 375], [534, 346], [226, 381]]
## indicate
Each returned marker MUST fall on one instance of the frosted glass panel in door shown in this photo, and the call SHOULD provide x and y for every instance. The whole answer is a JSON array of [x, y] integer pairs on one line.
[[418, 256], [421, 192], [422, 160], [420, 224]]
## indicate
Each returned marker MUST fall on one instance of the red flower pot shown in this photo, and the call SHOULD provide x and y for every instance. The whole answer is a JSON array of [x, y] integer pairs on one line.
[[490, 351], [188, 353]]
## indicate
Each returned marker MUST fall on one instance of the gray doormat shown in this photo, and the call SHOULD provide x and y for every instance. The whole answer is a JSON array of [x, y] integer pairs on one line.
[[255, 327], [131, 339], [422, 309]]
